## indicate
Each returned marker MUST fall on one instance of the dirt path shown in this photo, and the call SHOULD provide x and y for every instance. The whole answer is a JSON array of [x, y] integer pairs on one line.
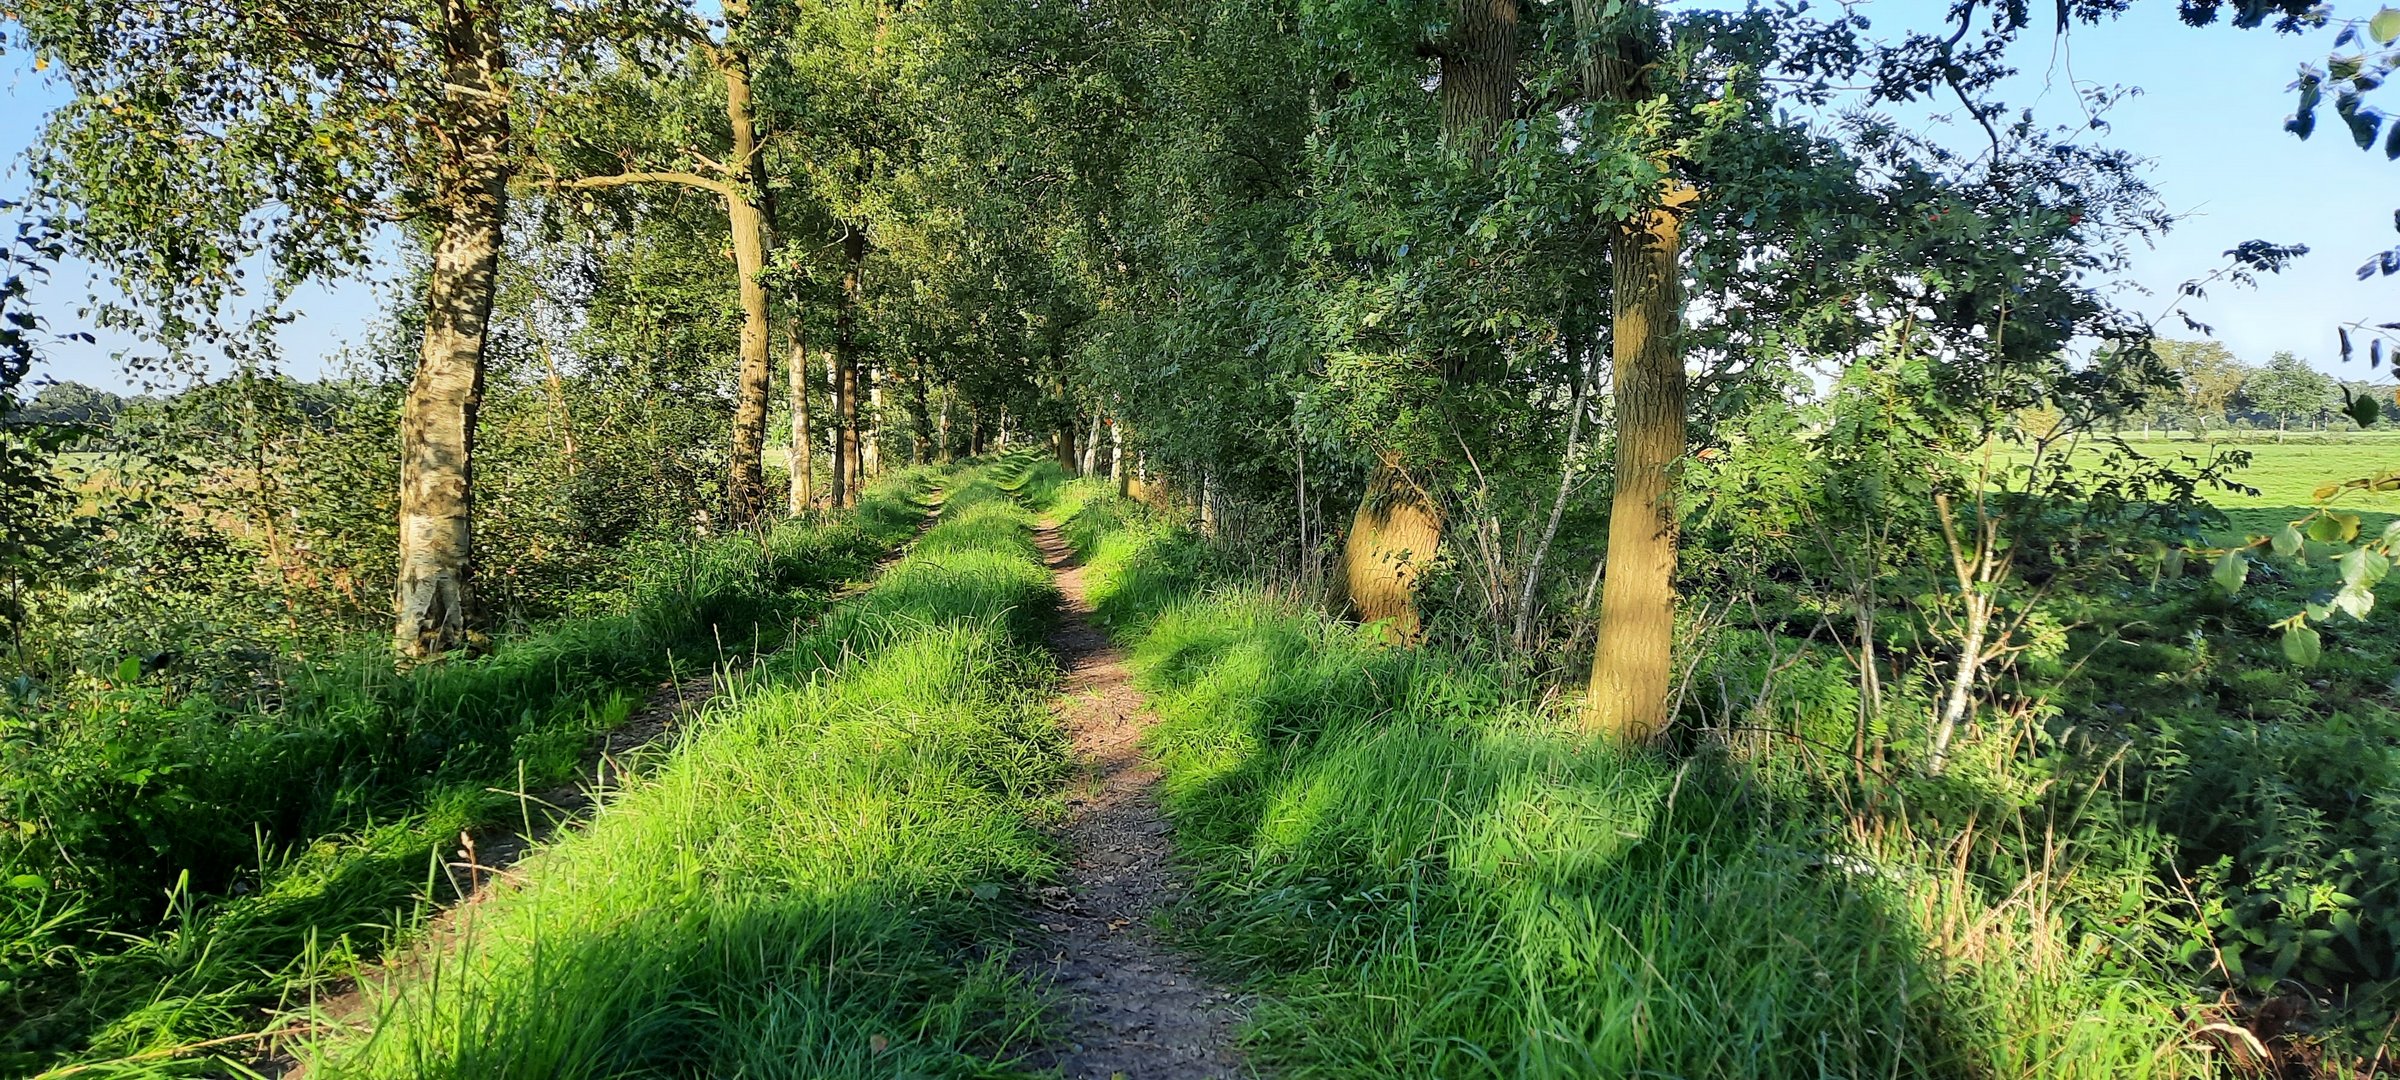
[[1135, 1007]]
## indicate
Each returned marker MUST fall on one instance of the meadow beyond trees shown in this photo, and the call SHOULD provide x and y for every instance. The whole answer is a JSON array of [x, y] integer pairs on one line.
[[1347, 538]]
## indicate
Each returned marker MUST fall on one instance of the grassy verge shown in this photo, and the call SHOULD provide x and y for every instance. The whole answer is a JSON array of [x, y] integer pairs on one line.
[[1428, 876], [288, 834], [808, 885]]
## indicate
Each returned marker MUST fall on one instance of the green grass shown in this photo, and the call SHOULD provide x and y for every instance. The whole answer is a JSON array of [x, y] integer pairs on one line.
[[811, 885], [286, 839], [2287, 474], [1426, 875]]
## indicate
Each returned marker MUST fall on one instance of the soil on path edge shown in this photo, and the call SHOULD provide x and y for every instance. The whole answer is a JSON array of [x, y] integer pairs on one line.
[[1135, 1007]]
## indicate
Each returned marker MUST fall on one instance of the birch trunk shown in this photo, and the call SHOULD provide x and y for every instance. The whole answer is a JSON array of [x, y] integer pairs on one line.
[[433, 598]]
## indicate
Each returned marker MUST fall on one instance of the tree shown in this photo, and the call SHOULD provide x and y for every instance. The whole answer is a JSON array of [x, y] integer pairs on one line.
[[198, 137], [1631, 665], [2207, 376], [71, 403], [2290, 390], [621, 124], [1397, 530]]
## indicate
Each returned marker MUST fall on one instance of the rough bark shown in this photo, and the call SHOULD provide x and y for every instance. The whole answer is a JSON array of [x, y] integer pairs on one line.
[[1479, 73], [1394, 534], [1069, 459], [802, 461], [1632, 667], [433, 597], [1089, 463]]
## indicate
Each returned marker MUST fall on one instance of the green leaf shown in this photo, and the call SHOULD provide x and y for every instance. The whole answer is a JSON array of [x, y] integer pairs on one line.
[[27, 881], [2358, 602], [986, 891], [2384, 27], [2364, 409], [2364, 123], [2324, 529], [2288, 542], [129, 669], [2231, 571], [2364, 568], [2303, 121], [2302, 645]]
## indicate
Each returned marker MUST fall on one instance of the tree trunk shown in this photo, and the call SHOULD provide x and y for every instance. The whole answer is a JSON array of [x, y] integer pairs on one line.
[[942, 432], [845, 360], [920, 418], [1116, 457], [1393, 536], [1397, 528], [1522, 632], [872, 447], [558, 394], [432, 599], [803, 460], [1479, 74], [1068, 457], [745, 184], [1632, 665], [1089, 464]]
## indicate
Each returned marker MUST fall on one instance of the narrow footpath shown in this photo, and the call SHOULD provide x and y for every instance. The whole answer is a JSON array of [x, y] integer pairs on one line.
[[1135, 1007]]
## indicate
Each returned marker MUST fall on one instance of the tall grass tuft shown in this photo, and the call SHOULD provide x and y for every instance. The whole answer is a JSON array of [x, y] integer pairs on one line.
[[809, 886]]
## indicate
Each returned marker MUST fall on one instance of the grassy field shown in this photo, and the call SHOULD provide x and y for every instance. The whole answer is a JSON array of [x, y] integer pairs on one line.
[[2286, 473]]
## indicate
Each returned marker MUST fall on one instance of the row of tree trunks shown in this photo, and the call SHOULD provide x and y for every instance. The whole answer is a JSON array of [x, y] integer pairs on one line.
[[433, 598]]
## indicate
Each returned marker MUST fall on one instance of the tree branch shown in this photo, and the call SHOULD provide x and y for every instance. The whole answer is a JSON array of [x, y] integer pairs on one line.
[[628, 179]]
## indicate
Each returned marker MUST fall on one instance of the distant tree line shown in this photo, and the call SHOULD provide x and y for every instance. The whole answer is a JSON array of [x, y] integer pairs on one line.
[[2214, 389]]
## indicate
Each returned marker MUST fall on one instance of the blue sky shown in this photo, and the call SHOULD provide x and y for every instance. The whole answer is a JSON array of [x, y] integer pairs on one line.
[[2209, 118]]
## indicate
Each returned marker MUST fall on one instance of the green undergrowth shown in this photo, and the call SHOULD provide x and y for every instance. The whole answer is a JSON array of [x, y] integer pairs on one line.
[[1424, 874], [184, 863], [808, 885]]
